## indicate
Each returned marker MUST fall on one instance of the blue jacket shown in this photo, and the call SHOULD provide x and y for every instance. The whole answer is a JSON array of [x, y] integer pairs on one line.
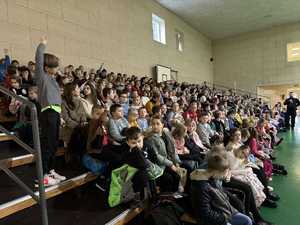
[[3, 67]]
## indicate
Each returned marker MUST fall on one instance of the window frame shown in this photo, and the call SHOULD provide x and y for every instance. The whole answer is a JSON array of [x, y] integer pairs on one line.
[[293, 52], [158, 29]]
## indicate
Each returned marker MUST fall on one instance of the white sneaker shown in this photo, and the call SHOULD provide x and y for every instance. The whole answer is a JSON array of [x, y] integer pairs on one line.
[[270, 188], [180, 189], [49, 180], [57, 176]]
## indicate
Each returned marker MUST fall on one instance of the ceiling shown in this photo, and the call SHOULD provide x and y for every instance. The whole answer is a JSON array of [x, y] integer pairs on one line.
[[218, 19]]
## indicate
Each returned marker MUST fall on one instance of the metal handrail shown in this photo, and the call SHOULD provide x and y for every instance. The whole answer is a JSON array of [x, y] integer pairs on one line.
[[36, 150]]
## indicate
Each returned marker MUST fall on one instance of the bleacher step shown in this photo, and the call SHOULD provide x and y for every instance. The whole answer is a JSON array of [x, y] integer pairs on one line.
[[26, 201]]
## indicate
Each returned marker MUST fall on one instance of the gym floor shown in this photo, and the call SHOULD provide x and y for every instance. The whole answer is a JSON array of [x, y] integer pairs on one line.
[[288, 187]]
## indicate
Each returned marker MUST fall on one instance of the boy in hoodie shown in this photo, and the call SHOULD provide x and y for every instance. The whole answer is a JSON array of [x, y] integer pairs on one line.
[[210, 202]]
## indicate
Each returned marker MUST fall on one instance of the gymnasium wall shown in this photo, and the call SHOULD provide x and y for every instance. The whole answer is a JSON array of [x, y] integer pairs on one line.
[[116, 32], [257, 58]]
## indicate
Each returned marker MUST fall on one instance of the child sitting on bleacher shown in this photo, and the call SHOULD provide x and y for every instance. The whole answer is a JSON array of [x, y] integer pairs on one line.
[[142, 119], [116, 124], [210, 202], [165, 156]]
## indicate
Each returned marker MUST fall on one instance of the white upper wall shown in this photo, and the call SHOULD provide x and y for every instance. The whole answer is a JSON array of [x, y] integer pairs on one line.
[[116, 32], [256, 58]]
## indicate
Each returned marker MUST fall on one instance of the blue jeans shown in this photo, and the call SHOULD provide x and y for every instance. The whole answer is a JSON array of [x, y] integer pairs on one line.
[[240, 219]]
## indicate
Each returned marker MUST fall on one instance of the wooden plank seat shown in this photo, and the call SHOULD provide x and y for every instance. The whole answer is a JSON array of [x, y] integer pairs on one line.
[[126, 216], [188, 218], [5, 137], [27, 201], [25, 159]]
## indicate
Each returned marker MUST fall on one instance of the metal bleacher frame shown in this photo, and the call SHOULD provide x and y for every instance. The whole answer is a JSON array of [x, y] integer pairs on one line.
[[39, 196]]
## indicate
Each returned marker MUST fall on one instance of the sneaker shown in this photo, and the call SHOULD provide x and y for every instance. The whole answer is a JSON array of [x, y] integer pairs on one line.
[[180, 189], [49, 180], [270, 188], [269, 204], [57, 176]]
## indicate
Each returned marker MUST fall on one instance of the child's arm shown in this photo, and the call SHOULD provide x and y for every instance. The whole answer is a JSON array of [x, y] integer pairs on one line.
[[39, 58]]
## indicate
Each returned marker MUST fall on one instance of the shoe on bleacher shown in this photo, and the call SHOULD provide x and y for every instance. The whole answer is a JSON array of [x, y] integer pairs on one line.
[[49, 180], [57, 176]]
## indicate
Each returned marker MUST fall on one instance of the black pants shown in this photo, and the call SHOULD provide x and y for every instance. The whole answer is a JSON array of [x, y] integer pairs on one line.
[[49, 123], [290, 115], [169, 181], [250, 206]]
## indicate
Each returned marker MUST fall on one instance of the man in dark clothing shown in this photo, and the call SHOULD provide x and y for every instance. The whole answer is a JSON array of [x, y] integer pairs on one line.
[[291, 103]]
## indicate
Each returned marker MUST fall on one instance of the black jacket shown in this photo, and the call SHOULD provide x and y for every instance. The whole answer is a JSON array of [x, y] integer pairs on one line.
[[210, 202], [292, 104]]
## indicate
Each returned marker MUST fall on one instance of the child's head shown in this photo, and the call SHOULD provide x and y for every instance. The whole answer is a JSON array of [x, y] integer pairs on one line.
[[218, 163], [204, 117], [31, 66], [242, 152], [163, 109], [25, 73], [132, 115], [123, 97], [51, 63], [87, 91], [97, 110], [116, 111], [143, 112], [245, 134], [156, 124], [15, 63], [136, 100], [75, 90], [179, 131], [134, 138], [190, 125], [253, 132], [33, 93], [108, 93], [104, 118], [15, 82], [261, 123], [193, 106], [156, 110], [235, 135]]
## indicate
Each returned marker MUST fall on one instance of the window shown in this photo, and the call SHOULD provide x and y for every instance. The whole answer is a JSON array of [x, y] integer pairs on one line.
[[159, 29], [293, 52], [179, 41]]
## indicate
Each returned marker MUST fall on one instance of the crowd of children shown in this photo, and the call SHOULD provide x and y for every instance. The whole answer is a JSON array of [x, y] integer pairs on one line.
[[215, 145]]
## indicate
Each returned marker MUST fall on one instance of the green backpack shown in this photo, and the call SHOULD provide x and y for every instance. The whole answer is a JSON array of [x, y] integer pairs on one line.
[[121, 188]]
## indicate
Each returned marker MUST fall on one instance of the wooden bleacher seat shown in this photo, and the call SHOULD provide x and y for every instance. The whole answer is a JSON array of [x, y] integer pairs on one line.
[[26, 201], [25, 159], [188, 218], [125, 216], [5, 137]]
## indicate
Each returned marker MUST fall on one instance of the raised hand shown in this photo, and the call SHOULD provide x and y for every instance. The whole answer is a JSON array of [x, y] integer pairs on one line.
[[44, 40]]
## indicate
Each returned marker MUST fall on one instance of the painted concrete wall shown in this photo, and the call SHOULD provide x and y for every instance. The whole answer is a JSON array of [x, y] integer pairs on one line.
[[257, 58], [116, 32]]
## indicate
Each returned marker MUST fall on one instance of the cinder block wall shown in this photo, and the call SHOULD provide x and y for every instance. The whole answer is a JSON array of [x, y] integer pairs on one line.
[[116, 32], [257, 58]]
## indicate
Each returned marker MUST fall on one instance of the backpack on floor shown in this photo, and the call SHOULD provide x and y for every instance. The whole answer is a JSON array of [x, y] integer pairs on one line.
[[164, 213], [121, 187]]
